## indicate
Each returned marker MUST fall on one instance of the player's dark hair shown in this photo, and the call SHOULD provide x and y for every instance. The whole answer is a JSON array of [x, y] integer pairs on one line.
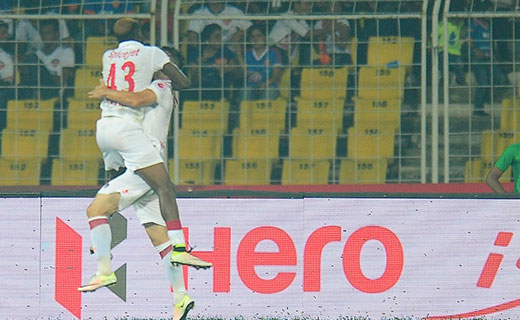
[[176, 56], [127, 29]]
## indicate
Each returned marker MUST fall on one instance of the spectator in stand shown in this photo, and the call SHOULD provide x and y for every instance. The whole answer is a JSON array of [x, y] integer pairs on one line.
[[50, 69], [263, 66], [287, 34], [333, 39], [482, 62], [455, 36], [6, 72], [27, 33], [233, 31], [214, 68]]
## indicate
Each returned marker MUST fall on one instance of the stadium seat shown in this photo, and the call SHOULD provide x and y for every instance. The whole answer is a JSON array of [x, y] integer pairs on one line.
[[83, 114], [380, 93], [494, 143], [363, 171], [390, 50], [75, 172], [25, 143], [384, 112], [510, 116], [305, 171], [476, 170], [248, 172], [194, 172], [381, 77], [196, 144], [260, 114], [365, 142], [256, 143], [284, 84], [30, 114], [324, 113], [324, 83], [20, 172], [319, 143], [95, 47], [207, 115], [79, 144], [86, 79]]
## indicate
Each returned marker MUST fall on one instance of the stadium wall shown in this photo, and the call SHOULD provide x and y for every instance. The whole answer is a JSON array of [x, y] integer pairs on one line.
[[427, 257]]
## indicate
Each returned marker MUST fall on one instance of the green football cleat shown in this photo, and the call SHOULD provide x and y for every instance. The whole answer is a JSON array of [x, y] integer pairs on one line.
[[181, 309], [98, 281], [180, 256]]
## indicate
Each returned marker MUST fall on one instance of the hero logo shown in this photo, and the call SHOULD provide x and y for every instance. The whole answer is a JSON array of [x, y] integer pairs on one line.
[[69, 247], [247, 258]]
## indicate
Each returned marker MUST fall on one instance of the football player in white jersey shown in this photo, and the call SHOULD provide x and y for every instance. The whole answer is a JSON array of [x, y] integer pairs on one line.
[[129, 189], [123, 142]]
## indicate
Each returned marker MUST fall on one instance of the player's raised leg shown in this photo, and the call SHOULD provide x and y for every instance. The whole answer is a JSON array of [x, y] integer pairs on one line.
[[183, 303], [98, 213], [158, 179]]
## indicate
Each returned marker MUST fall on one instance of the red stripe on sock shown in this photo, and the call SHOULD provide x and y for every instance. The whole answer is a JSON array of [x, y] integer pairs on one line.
[[173, 225], [166, 251], [97, 222]]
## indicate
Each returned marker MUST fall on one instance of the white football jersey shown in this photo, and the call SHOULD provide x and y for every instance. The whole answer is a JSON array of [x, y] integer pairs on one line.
[[157, 118], [61, 57], [6, 67], [130, 67]]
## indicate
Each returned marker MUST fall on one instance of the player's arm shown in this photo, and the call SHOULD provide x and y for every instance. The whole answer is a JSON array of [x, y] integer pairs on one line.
[[127, 98], [493, 182], [179, 79]]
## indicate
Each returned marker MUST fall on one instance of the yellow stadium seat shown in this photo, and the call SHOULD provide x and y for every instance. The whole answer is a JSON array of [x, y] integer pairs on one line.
[[353, 53], [79, 144], [83, 114], [256, 143], [196, 144], [385, 50], [194, 172], [510, 115], [311, 143], [20, 172], [30, 114], [363, 171], [377, 111], [259, 114], [248, 172], [370, 142], [323, 113], [206, 115], [305, 172], [494, 143], [85, 80], [78, 172], [95, 47], [284, 84], [380, 93], [476, 170], [25, 143], [324, 83], [381, 77]]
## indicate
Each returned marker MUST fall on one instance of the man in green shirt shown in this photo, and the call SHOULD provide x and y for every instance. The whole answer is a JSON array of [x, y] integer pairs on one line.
[[510, 157]]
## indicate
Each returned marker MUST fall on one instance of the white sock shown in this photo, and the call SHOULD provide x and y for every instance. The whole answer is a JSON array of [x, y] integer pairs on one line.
[[176, 237], [101, 238], [174, 273]]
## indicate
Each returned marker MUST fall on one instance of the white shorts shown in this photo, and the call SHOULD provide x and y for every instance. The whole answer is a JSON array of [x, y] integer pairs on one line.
[[136, 191], [124, 144]]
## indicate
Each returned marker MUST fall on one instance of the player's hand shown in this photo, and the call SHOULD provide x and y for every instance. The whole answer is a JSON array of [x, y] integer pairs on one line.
[[99, 91]]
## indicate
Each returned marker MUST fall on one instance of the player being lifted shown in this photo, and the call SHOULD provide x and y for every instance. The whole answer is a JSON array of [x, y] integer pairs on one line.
[[120, 136]]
